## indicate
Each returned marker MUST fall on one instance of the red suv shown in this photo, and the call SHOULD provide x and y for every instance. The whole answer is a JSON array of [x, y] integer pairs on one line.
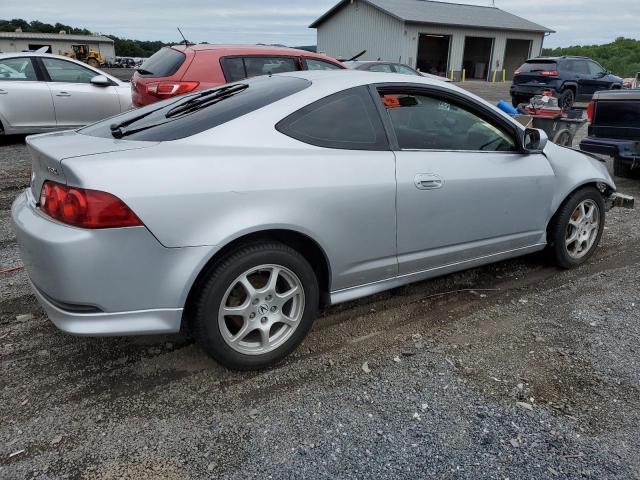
[[186, 68]]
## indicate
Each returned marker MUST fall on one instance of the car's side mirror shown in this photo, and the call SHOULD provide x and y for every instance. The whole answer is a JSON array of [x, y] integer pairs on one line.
[[533, 140], [100, 81]]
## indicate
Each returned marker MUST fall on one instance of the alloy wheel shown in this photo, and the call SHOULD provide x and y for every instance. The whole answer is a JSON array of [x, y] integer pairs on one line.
[[261, 309], [582, 228]]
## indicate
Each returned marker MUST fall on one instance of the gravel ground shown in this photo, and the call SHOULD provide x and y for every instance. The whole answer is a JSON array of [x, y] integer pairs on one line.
[[516, 370]]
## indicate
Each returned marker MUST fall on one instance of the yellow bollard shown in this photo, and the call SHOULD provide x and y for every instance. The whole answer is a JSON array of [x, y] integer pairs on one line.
[[451, 78], [493, 77], [464, 74], [504, 75]]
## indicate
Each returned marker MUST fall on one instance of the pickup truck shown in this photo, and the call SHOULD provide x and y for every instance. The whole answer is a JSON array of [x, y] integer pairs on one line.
[[615, 130]]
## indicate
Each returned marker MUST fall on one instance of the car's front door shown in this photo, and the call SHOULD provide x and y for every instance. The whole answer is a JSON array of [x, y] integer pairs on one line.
[[77, 101], [464, 192], [25, 101]]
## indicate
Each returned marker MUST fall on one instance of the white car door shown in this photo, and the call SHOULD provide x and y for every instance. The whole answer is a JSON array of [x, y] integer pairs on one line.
[[77, 101], [26, 105]]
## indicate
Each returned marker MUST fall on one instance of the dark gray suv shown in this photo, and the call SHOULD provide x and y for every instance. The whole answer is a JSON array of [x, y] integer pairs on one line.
[[569, 78]]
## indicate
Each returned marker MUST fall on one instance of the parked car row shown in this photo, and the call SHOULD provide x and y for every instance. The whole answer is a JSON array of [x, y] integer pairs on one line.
[[63, 93]]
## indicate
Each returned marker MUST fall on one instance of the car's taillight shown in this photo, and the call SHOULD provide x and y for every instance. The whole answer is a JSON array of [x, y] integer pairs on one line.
[[85, 208], [590, 109], [549, 73], [169, 89]]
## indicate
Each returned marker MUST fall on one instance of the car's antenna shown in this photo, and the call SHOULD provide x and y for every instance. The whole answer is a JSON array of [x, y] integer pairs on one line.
[[186, 42]]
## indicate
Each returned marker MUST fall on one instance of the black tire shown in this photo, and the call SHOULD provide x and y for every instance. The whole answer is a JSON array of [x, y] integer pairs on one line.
[[204, 317], [563, 138], [566, 99], [93, 62], [557, 229]]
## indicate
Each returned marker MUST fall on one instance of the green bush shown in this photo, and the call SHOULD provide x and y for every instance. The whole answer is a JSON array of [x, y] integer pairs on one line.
[[621, 56]]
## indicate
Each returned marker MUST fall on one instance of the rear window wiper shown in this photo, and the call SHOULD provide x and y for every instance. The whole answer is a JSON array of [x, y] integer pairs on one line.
[[204, 99], [116, 128], [142, 71]]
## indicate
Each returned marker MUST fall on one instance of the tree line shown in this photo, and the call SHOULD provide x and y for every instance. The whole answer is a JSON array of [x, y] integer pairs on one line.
[[622, 56]]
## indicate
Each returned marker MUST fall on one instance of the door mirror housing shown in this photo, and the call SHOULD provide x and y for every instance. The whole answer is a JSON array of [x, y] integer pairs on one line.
[[532, 140], [100, 81]]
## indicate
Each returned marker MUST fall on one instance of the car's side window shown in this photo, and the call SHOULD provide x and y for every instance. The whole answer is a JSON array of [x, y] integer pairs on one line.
[[595, 69], [381, 67], [239, 68], [17, 69], [405, 70], [256, 66], [315, 64], [346, 120], [425, 122], [69, 72]]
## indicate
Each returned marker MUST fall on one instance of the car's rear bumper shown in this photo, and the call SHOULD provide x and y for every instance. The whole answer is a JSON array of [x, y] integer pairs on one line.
[[104, 282], [625, 149], [139, 322]]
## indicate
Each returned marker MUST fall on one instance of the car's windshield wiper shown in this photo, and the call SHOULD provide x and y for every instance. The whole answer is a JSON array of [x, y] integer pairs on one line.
[[130, 131], [116, 128], [205, 99], [142, 71]]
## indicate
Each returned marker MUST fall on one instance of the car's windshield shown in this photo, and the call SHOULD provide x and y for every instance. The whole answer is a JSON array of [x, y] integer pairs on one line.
[[194, 113]]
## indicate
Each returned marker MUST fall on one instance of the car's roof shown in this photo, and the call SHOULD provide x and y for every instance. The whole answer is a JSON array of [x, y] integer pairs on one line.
[[249, 49], [354, 78], [555, 59]]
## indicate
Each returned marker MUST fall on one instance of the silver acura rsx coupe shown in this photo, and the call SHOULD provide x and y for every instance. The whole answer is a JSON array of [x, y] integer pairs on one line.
[[244, 209]]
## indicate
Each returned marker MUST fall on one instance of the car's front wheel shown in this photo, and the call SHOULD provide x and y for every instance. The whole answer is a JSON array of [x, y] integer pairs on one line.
[[576, 228], [256, 306]]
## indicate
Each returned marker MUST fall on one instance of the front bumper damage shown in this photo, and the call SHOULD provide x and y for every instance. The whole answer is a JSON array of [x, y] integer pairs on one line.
[[619, 200]]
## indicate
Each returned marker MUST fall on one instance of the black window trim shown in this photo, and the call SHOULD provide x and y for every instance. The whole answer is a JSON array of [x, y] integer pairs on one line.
[[383, 145], [295, 58], [34, 64], [445, 94]]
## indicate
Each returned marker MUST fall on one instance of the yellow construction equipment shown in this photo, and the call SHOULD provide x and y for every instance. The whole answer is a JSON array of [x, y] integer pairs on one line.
[[84, 54]]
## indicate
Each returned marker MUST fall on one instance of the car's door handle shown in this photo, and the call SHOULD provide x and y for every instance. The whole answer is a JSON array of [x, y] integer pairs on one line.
[[428, 181], [63, 94], [3, 92]]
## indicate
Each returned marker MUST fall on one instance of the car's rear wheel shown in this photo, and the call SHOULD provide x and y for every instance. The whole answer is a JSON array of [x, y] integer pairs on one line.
[[566, 99], [256, 306], [576, 228]]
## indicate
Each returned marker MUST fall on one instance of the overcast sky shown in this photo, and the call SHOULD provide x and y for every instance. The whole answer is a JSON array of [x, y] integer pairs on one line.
[[286, 22]]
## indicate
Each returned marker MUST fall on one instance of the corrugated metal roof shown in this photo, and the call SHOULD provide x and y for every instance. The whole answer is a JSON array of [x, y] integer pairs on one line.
[[443, 13], [54, 36]]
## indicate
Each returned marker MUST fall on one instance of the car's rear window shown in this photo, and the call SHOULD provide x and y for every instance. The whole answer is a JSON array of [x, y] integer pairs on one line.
[[179, 118], [537, 66], [163, 63]]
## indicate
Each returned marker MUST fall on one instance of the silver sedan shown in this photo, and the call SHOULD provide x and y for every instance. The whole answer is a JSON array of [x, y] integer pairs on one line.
[[41, 92], [243, 210]]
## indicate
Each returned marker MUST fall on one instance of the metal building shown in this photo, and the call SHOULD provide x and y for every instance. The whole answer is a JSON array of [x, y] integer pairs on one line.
[[58, 43], [436, 37]]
